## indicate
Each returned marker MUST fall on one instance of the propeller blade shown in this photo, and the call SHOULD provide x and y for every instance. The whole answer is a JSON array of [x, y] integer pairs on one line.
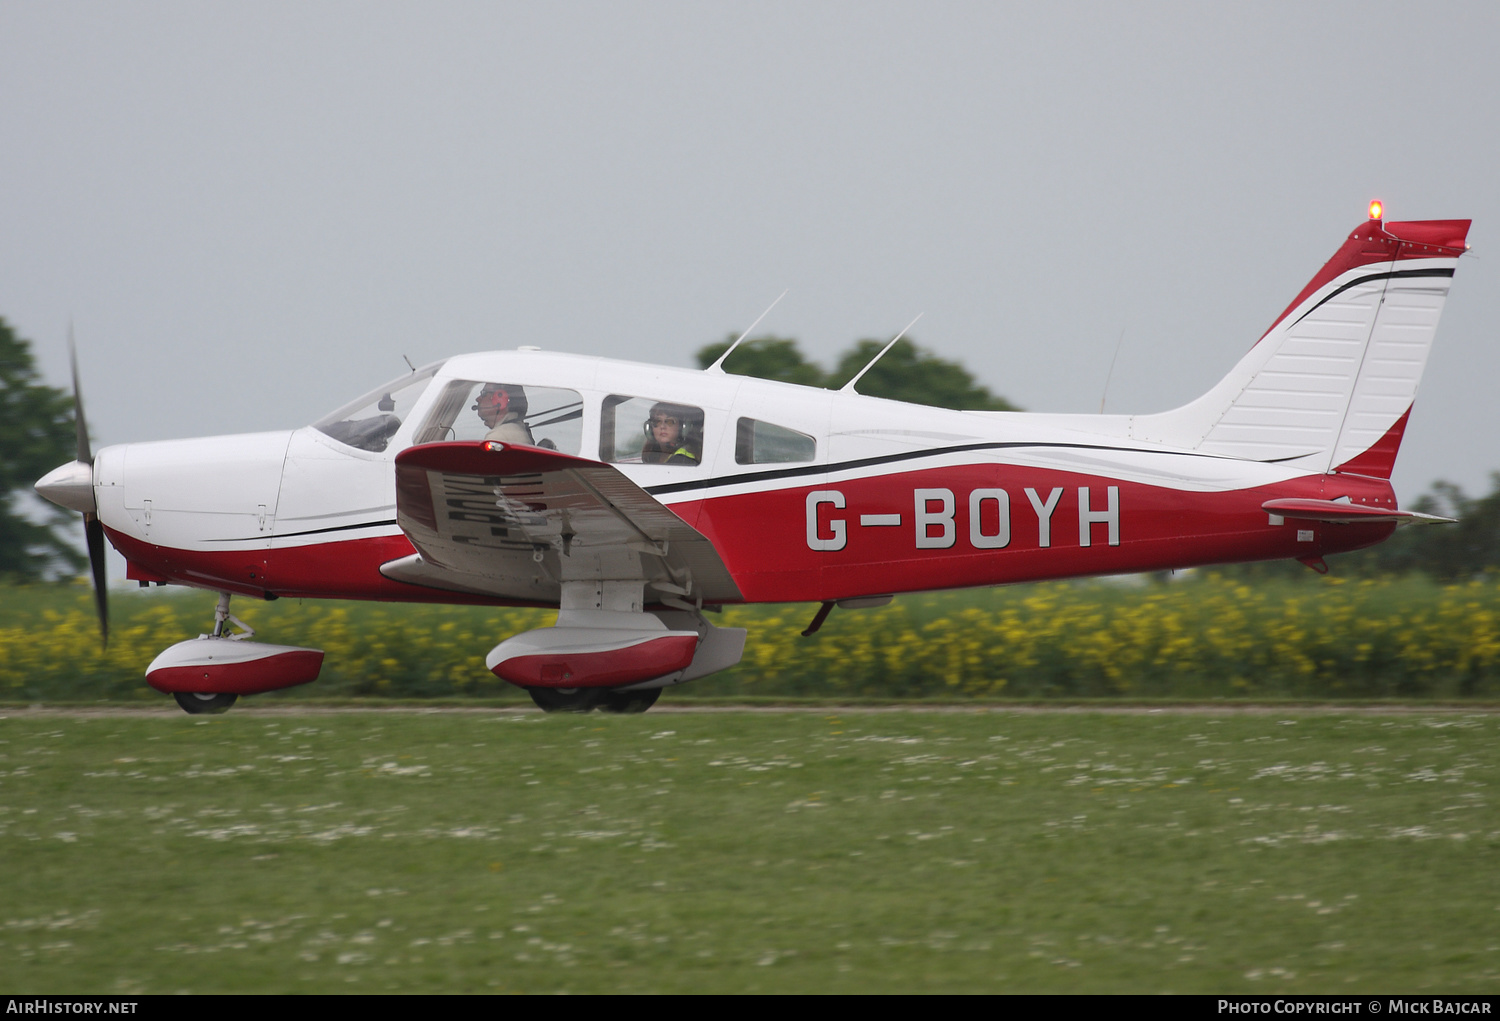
[[78, 421], [93, 531], [93, 528]]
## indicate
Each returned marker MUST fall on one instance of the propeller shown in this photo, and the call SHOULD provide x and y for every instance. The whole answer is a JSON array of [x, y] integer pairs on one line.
[[93, 528]]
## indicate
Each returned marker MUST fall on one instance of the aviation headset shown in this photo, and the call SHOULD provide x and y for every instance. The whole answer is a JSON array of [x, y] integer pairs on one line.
[[688, 419], [497, 397]]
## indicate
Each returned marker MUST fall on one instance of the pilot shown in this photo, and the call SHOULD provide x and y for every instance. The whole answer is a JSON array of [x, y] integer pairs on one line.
[[673, 435], [502, 408]]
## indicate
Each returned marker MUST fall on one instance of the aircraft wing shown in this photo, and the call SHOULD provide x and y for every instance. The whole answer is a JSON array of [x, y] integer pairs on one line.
[[515, 522]]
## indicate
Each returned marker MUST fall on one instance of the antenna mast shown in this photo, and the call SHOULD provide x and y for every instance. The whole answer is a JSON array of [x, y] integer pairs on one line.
[[849, 386], [718, 366], [1111, 373]]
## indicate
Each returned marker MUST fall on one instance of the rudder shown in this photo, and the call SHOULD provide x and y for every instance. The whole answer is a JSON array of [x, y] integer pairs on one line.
[[1330, 385]]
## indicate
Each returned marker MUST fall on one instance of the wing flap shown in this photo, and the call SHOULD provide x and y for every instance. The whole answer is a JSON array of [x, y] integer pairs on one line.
[[516, 522]]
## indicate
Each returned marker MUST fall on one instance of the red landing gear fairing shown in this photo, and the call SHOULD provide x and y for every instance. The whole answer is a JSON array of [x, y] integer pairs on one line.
[[638, 499]]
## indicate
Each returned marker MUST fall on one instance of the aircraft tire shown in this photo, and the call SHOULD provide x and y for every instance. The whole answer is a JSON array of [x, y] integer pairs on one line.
[[569, 700], [629, 701], [203, 704]]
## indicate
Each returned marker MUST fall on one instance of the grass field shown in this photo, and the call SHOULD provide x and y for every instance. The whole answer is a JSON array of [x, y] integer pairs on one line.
[[897, 851]]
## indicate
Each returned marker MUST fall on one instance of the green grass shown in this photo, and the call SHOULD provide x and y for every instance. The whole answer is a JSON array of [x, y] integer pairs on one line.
[[831, 851]]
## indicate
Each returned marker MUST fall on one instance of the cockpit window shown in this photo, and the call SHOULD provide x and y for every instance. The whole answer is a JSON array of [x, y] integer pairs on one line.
[[369, 422], [641, 430], [537, 416]]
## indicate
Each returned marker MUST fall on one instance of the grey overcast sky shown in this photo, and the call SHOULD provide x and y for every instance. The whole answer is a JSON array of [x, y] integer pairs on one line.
[[252, 211]]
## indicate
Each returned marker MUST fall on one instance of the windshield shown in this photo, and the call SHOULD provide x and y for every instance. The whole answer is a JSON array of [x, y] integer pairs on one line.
[[369, 422]]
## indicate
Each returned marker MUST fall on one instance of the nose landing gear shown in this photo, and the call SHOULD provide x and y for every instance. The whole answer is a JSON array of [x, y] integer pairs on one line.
[[209, 673]]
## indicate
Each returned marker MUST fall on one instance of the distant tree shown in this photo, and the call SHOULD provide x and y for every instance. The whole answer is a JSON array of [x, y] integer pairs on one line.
[[36, 423], [765, 358], [910, 373], [906, 373]]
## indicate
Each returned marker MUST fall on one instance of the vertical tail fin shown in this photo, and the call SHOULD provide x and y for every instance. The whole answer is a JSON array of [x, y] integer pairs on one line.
[[1330, 385]]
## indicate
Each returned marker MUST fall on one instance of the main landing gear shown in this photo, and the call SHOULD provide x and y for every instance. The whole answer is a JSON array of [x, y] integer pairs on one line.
[[201, 703], [583, 700]]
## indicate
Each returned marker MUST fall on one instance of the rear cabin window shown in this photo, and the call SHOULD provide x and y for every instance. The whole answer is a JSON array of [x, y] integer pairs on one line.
[[537, 416], [643, 430], [757, 442]]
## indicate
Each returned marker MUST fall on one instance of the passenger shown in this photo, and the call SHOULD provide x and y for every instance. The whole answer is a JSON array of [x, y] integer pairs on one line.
[[673, 435], [502, 408]]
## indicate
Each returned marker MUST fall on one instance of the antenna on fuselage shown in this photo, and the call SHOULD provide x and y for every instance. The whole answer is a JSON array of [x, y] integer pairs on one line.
[[849, 386], [409, 365], [718, 366], [1111, 373]]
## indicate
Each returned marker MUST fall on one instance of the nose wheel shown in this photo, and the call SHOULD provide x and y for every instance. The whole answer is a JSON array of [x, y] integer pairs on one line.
[[203, 703], [200, 704]]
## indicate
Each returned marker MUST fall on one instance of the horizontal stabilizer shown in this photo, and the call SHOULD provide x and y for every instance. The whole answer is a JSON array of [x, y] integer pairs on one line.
[[1339, 513]]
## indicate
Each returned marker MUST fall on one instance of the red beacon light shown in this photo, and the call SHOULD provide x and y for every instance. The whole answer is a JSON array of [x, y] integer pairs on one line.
[[1375, 209]]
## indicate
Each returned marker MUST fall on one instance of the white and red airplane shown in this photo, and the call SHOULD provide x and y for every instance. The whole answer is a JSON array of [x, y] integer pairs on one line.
[[635, 497]]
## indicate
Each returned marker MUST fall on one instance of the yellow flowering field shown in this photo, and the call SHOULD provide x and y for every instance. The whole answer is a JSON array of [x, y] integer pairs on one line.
[[1205, 636]]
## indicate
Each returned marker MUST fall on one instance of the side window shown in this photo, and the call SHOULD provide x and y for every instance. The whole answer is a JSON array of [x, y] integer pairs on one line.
[[538, 416], [757, 442], [641, 430]]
